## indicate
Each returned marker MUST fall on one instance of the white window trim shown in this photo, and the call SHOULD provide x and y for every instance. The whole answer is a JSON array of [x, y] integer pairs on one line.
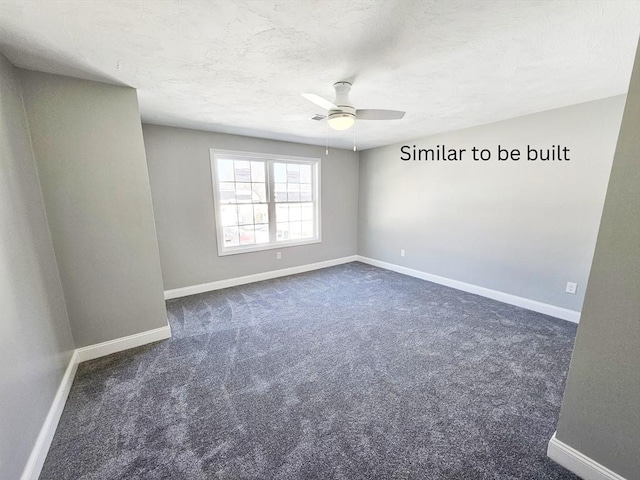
[[222, 251]]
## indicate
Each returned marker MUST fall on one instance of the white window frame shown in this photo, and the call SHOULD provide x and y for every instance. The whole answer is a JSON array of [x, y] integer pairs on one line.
[[269, 159]]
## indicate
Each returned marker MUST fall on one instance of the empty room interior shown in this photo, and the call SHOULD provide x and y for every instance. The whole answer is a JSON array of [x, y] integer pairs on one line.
[[277, 239]]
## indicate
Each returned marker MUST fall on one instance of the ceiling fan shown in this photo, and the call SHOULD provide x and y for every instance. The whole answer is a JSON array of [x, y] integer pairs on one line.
[[341, 112]]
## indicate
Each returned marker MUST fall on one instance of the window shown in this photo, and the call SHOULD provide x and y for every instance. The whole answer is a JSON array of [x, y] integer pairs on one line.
[[264, 201]]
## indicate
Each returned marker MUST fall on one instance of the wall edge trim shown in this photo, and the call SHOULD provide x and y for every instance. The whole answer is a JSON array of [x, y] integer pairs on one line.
[[256, 277], [577, 462], [536, 306], [98, 350]]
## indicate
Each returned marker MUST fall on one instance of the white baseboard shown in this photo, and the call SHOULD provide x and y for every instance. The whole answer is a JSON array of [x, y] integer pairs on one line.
[[258, 277], [119, 344], [39, 452], [552, 310], [578, 463], [43, 442]]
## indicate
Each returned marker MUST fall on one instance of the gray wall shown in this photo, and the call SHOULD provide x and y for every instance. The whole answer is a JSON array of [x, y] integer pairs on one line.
[[35, 337], [180, 173], [87, 141], [600, 414], [516, 227]]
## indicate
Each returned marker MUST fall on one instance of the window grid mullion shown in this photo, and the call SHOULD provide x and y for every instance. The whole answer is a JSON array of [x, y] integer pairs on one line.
[[271, 196]]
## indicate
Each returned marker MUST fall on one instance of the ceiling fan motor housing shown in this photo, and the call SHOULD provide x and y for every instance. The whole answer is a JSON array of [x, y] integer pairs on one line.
[[342, 100]]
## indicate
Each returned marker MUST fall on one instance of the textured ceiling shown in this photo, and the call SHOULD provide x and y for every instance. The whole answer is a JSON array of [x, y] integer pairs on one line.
[[239, 66]]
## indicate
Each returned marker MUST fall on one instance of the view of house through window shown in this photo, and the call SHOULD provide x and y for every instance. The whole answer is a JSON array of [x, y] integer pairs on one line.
[[264, 201]]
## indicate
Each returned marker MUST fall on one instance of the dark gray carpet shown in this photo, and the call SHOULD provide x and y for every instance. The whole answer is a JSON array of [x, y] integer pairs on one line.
[[350, 372]]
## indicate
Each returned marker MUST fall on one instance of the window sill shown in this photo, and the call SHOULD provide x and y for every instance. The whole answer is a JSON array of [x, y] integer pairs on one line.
[[270, 246]]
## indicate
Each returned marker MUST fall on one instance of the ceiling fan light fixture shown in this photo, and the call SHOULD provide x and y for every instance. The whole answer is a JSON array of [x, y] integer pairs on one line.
[[341, 120]]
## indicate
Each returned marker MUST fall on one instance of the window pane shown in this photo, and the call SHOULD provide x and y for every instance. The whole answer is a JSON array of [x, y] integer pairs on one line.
[[231, 237], [281, 192], [247, 235], [305, 173], [307, 211], [262, 234], [257, 171], [225, 170], [244, 194], [242, 170], [295, 213], [282, 232], [227, 192], [293, 173], [260, 213], [279, 172], [295, 230], [245, 214], [282, 213], [307, 229], [294, 192], [259, 192], [228, 215], [305, 192]]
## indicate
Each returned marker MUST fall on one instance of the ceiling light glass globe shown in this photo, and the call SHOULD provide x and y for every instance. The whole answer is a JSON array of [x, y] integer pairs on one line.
[[341, 121]]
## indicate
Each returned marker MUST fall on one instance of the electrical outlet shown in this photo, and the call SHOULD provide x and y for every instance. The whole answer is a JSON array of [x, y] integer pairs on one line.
[[278, 255], [402, 252], [571, 288]]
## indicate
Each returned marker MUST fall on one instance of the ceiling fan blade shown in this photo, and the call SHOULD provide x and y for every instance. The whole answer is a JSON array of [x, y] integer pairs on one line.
[[318, 100], [373, 114]]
